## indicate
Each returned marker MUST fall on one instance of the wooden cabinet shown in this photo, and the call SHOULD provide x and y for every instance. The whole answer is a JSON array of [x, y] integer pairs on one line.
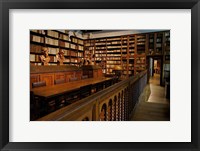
[[92, 71]]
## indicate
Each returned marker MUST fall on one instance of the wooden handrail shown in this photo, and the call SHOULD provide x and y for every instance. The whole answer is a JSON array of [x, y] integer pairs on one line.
[[123, 96]]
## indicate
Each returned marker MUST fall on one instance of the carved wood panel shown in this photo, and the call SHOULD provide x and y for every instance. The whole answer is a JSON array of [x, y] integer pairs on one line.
[[59, 76], [49, 78]]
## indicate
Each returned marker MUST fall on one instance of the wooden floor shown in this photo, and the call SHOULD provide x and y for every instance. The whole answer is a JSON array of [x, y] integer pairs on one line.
[[153, 106]]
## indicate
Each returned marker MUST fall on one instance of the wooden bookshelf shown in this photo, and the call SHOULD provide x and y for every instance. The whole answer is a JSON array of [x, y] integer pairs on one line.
[[101, 53], [128, 51], [140, 53], [113, 54], [166, 48], [55, 41], [159, 43]]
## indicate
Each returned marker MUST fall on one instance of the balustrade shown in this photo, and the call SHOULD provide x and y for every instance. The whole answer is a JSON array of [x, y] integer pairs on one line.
[[114, 103]]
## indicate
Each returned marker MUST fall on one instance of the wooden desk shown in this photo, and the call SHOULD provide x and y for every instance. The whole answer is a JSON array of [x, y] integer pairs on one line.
[[55, 90], [70, 92]]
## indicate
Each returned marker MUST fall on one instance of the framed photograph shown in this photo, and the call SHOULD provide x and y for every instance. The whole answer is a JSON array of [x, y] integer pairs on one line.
[[40, 38]]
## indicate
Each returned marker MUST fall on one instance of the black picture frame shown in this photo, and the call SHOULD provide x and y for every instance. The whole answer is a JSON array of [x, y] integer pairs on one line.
[[5, 5]]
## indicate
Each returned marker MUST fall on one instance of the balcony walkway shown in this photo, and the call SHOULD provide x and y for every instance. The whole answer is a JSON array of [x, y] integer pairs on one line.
[[154, 108]]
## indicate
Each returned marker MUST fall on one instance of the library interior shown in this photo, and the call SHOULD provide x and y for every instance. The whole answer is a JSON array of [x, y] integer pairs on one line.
[[99, 75]]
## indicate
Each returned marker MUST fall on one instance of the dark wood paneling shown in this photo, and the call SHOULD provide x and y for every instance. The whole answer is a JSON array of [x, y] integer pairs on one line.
[[49, 78]]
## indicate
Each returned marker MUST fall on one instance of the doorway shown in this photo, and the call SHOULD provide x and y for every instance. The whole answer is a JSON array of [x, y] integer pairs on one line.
[[155, 69]]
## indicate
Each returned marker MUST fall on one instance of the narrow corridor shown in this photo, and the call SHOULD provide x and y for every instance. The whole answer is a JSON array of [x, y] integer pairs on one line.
[[154, 108]]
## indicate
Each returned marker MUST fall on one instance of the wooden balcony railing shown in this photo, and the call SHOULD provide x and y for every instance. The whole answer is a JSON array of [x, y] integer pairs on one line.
[[114, 103]]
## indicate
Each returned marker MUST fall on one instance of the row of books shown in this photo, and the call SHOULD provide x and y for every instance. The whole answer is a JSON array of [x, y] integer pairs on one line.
[[100, 48], [113, 42], [89, 48], [124, 42], [141, 43], [76, 54], [140, 66], [113, 55], [39, 31], [73, 46], [158, 45], [131, 68], [64, 37], [80, 54], [113, 39], [53, 50], [167, 34], [73, 53], [66, 52], [124, 56], [124, 38], [74, 60], [114, 58], [64, 44], [100, 40], [140, 61], [132, 45], [100, 51], [100, 55], [89, 44], [131, 41], [141, 36], [100, 43], [51, 41], [110, 66], [78, 41], [113, 62], [131, 51], [34, 58], [131, 65], [80, 47], [159, 40], [151, 40], [111, 47], [37, 39], [35, 48], [113, 51], [52, 33]]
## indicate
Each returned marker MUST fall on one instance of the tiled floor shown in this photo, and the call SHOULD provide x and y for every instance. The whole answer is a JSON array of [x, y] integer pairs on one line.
[[154, 108]]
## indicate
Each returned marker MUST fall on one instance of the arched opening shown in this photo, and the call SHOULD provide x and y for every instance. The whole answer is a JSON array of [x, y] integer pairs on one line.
[[110, 110], [103, 114], [116, 108], [119, 107], [122, 108]]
